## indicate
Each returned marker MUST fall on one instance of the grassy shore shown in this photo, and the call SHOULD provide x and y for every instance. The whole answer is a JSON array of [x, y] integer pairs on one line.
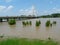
[[24, 41]]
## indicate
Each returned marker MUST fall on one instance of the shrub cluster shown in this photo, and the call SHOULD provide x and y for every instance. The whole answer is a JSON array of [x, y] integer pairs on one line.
[[38, 23], [26, 23], [12, 21], [54, 22], [48, 23]]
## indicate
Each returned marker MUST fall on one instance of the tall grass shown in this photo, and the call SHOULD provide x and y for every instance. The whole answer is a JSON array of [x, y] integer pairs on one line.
[[23, 41]]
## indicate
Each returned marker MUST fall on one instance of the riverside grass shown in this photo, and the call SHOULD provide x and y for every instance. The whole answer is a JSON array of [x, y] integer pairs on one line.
[[25, 41]]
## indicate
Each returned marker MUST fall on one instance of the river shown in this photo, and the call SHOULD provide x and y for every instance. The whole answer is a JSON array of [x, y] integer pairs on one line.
[[41, 32]]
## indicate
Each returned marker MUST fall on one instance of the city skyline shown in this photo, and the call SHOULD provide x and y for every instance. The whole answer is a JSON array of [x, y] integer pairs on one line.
[[20, 7]]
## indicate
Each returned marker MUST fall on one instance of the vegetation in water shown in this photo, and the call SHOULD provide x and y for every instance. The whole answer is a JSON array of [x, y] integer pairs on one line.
[[27, 23], [1, 36], [54, 22], [49, 38], [24, 41], [30, 23], [12, 21], [24, 23], [48, 23], [38, 23]]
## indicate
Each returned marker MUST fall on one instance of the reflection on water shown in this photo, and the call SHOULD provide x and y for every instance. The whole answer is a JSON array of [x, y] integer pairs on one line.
[[37, 28], [12, 26], [31, 31]]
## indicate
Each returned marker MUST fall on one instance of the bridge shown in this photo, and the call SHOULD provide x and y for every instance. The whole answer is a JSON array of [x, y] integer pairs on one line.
[[6, 18]]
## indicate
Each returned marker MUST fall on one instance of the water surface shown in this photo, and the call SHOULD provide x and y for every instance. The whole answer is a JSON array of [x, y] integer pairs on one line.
[[41, 32]]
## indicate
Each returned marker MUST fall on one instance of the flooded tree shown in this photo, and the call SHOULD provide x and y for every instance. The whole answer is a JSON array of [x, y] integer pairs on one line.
[[12, 21]]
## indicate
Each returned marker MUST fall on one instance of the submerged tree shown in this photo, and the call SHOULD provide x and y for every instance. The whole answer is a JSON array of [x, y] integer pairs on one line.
[[54, 22], [38, 23], [48, 23], [12, 21]]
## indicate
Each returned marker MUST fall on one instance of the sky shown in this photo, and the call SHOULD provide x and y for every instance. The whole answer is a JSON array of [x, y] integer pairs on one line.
[[26, 7]]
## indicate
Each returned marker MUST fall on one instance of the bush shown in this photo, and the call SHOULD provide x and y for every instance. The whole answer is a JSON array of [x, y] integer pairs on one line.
[[12, 22], [27, 23], [38, 23], [24, 23], [49, 38], [30, 23], [48, 23], [54, 22]]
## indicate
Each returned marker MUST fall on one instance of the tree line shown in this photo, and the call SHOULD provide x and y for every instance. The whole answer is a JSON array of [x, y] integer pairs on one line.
[[54, 15]]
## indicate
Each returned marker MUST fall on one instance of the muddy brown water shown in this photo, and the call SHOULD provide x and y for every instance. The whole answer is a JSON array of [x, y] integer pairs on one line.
[[41, 32]]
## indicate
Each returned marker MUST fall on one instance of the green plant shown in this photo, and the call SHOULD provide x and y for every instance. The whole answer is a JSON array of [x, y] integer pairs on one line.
[[24, 23], [54, 22], [30, 23], [27, 22], [49, 38], [38, 23], [12, 21], [48, 23], [23, 41], [51, 24]]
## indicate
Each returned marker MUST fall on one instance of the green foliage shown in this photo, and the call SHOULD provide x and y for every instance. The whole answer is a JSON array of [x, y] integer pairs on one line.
[[54, 15], [23, 41], [51, 24], [30, 23], [27, 23], [24, 23], [54, 22], [38, 23], [49, 38], [1, 36], [48, 23], [12, 21]]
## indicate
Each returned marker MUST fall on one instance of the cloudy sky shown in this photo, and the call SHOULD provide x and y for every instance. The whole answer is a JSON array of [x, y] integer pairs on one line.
[[19, 7]]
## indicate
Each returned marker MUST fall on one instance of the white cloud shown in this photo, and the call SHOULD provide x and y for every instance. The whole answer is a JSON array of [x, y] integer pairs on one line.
[[50, 11], [46, 12], [9, 8], [29, 11], [5, 9], [2, 8]]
